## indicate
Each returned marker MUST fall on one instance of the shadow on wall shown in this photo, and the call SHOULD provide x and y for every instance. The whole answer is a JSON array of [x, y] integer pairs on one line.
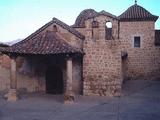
[[32, 66]]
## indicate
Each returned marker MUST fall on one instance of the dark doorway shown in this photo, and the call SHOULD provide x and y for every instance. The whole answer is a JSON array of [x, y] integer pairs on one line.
[[54, 80]]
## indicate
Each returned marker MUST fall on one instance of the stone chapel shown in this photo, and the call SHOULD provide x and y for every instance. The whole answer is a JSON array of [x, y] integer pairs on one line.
[[94, 56]]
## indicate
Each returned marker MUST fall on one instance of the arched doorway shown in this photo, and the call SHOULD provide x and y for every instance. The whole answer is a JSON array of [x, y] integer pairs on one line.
[[54, 80]]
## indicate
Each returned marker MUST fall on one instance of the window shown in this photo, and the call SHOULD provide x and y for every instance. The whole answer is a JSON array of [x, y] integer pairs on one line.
[[137, 41], [109, 24], [108, 28]]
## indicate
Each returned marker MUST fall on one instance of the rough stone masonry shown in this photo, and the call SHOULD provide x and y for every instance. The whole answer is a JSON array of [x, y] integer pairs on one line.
[[104, 51]]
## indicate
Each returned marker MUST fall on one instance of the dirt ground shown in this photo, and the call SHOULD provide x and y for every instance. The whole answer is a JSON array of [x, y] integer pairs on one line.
[[140, 101]]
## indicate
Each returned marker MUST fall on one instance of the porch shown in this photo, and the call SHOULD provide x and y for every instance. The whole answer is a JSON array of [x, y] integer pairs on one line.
[[48, 56]]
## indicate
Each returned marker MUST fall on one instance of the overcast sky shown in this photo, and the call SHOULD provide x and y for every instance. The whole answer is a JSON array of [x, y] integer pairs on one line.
[[20, 18]]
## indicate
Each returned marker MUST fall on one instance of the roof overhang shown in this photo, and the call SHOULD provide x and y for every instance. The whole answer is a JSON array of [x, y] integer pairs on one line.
[[48, 44]]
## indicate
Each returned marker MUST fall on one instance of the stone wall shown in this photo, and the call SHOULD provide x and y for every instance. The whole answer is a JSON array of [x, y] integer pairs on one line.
[[4, 72], [143, 62], [4, 61], [31, 73], [101, 70], [102, 60], [26, 80]]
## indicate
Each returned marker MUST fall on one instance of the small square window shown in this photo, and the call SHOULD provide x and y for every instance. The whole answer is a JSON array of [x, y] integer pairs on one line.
[[137, 41]]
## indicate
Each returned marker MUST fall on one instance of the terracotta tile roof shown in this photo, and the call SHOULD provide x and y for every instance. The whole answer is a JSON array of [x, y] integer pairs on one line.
[[67, 27], [60, 23], [157, 37], [48, 43], [107, 14], [87, 14], [3, 45], [137, 13]]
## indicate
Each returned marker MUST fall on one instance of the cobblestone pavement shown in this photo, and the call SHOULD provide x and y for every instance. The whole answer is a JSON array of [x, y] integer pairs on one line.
[[140, 101]]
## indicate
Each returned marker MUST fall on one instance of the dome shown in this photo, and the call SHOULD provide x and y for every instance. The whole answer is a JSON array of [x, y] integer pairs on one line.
[[84, 15], [137, 13]]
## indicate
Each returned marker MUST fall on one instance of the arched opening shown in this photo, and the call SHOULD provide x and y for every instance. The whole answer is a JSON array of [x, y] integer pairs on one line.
[[109, 24], [54, 80], [108, 28]]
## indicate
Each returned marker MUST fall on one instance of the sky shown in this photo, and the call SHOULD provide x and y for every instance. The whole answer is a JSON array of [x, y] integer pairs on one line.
[[20, 18]]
